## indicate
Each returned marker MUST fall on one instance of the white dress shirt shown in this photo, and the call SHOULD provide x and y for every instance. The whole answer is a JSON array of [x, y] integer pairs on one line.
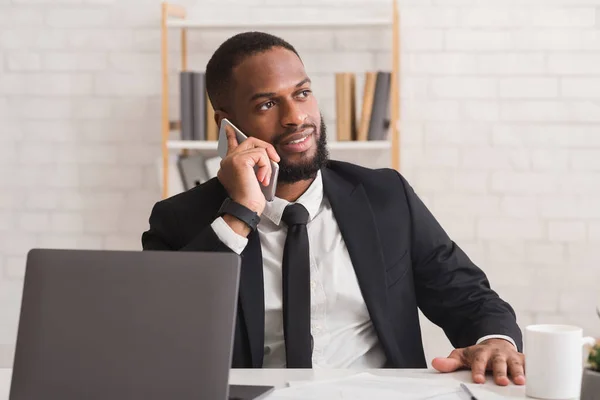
[[343, 334]]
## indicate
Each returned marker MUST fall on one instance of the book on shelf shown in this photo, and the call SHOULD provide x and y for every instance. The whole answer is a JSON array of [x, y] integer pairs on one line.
[[199, 105], [196, 112], [186, 105], [345, 105], [379, 122], [367, 106]]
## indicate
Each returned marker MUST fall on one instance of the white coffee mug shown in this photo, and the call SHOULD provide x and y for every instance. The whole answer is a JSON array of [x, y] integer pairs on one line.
[[554, 361]]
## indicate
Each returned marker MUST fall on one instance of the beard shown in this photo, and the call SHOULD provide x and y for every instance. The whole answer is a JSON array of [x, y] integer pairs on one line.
[[306, 168]]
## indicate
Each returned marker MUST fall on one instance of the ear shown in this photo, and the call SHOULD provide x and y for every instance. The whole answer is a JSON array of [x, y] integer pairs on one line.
[[219, 115]]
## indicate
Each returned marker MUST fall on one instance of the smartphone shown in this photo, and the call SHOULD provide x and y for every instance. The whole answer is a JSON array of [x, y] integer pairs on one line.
[[222, 148]]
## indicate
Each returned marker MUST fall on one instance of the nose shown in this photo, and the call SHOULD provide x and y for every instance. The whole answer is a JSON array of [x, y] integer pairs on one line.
[[292, 114]]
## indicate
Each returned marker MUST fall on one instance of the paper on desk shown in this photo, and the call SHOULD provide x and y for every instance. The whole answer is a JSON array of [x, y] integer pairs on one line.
[[366, 386]]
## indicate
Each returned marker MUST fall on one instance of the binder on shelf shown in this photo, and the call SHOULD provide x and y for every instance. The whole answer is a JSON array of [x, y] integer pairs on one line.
[[192, 170], [197, 117], [367, 106], [213, 165], [199, 104], [186, 105], [379, 122], [345, 91]]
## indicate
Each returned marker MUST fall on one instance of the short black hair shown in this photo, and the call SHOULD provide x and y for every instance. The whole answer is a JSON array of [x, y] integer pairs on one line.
[[230, 54]]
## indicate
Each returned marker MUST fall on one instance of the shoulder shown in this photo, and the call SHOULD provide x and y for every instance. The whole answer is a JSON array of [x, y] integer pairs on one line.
[[368, 177]]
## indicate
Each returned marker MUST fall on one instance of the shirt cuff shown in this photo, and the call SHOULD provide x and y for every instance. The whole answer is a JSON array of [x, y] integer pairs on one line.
[[235, 242], [507, 338]]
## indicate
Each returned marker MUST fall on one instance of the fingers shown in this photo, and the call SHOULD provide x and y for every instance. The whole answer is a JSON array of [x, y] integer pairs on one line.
[[252, 143], [272, 153], [499, 367], [451, 363], [516, 369], [232, 142], [258, 157], [478, 359], [498, 356]]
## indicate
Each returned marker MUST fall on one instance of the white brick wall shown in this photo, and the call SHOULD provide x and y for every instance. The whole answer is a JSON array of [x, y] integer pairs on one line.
[[500, 127], [523, 88]]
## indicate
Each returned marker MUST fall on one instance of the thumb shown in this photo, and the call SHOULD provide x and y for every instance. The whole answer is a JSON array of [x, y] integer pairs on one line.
[[450, 363]]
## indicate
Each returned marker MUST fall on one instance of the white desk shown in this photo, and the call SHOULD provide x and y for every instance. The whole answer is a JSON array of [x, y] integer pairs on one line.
[[279, 377]]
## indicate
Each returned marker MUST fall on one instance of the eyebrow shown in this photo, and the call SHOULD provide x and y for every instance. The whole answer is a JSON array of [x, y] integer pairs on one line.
[[271, 94]]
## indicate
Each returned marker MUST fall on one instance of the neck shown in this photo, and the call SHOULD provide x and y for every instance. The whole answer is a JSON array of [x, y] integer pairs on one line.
[[292, 191]]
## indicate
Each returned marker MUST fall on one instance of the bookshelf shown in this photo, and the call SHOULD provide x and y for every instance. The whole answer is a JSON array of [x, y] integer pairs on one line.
[[174, 17]]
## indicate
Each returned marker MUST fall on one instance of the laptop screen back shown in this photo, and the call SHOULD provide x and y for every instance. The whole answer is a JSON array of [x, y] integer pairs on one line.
[[125, 325]]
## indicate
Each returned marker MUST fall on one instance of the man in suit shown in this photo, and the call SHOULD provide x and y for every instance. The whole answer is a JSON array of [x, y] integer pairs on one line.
[[335, 268]]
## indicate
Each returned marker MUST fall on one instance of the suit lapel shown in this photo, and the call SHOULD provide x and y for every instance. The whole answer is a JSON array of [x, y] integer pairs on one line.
[[252, 299], [352, 210]]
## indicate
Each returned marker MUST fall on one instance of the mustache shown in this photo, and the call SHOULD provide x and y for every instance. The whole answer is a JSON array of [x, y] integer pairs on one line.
[[279, 138]]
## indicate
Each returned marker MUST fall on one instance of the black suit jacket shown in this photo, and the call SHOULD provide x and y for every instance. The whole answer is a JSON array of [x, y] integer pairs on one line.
[[402, 257]]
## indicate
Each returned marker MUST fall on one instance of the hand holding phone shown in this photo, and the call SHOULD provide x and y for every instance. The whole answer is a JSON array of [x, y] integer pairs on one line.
[[249, 167]]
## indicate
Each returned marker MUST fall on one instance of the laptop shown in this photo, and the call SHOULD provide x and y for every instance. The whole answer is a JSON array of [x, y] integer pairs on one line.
[[135, 325]]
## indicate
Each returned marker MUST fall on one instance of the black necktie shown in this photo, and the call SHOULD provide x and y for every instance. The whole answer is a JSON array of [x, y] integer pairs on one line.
[[296, 289]]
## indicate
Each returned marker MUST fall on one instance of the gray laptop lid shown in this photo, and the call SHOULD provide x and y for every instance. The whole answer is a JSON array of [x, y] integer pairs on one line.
[[125, 325]]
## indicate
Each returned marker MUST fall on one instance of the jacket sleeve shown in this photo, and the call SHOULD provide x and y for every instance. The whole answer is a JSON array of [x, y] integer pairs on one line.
[[451, 290], [164, 234]]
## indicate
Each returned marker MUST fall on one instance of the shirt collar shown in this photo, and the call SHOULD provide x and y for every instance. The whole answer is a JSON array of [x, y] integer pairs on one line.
[[311, 200]]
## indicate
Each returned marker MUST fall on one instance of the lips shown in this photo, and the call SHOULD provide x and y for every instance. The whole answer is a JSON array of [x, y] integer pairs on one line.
[[298, 142], [297, 136]]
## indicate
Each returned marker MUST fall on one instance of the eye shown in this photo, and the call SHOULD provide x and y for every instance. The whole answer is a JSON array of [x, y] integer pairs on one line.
[[305, 93], [267, 105]]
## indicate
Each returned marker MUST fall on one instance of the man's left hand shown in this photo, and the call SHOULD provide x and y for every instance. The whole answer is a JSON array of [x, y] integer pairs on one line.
[[497, 355]]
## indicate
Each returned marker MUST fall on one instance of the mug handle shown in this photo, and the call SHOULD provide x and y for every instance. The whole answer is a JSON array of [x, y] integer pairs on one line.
[[589, 341]]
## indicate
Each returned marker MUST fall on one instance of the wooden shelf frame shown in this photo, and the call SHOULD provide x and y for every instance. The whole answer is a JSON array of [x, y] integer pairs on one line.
[[168, 11], [349, 23], [174, 17], [333, 145]]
